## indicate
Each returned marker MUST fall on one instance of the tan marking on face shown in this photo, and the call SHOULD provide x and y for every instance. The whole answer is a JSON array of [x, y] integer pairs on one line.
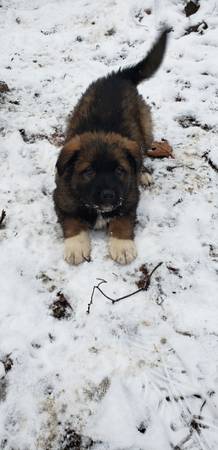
[[88, 150], [67, 152], [81, 166]]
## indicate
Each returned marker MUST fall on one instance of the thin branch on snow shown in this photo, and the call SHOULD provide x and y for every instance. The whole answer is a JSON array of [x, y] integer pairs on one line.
[[209, 160], [93, 291], [181, 166], [115, 300], [2, 217]]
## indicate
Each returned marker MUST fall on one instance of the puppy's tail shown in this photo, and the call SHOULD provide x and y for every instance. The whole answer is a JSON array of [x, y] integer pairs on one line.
[[148, 66]]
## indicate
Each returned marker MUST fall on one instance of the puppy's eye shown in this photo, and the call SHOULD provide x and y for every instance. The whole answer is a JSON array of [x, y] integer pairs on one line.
[[120, 171], [88, 173]]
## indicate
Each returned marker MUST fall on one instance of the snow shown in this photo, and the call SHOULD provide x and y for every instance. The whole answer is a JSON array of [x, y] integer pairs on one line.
[[140, 374]]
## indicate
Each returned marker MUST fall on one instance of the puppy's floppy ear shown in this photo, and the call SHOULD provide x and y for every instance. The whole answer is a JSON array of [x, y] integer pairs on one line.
[[134, 154], [68, 154]]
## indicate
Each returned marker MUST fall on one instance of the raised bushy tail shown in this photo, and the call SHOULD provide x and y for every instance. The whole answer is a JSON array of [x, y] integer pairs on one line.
[[148, 66]]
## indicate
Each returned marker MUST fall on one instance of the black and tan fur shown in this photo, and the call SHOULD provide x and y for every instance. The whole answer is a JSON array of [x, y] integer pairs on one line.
[[99, 167]]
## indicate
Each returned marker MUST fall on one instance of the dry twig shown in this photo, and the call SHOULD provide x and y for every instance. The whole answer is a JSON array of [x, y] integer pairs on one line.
[[210, 162], [115, 300], [2, 217]]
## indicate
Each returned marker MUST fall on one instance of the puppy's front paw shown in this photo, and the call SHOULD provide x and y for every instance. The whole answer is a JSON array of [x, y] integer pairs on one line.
[[77, 248], [122, 251]]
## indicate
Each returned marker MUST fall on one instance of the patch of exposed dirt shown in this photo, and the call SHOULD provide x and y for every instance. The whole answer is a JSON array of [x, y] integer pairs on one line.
[[71, 440], [3, 87], [56, 138], [143, 277], [191, 8], [61, 308], [190, 121]]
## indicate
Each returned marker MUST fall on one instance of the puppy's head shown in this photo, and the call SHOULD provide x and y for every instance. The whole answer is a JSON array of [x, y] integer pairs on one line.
[[100, 169]]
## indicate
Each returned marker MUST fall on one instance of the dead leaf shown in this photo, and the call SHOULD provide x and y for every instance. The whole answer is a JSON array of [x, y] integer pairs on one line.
[[160, 149]]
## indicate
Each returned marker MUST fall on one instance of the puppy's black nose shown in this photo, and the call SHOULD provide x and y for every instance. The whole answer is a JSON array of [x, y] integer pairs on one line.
[[107, 195]]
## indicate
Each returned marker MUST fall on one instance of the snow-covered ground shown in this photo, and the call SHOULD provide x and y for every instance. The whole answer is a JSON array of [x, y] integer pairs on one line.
[[141, 374]]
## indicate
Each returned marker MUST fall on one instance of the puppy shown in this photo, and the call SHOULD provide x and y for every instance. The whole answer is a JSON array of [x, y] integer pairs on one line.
[[99, 167]]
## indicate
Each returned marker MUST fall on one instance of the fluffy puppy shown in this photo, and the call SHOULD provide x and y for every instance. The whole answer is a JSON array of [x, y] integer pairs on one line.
[[99, 167]]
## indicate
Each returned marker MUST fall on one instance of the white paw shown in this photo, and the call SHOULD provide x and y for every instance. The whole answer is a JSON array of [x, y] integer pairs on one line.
[[146, 179], [122, 250], [77, 248]]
